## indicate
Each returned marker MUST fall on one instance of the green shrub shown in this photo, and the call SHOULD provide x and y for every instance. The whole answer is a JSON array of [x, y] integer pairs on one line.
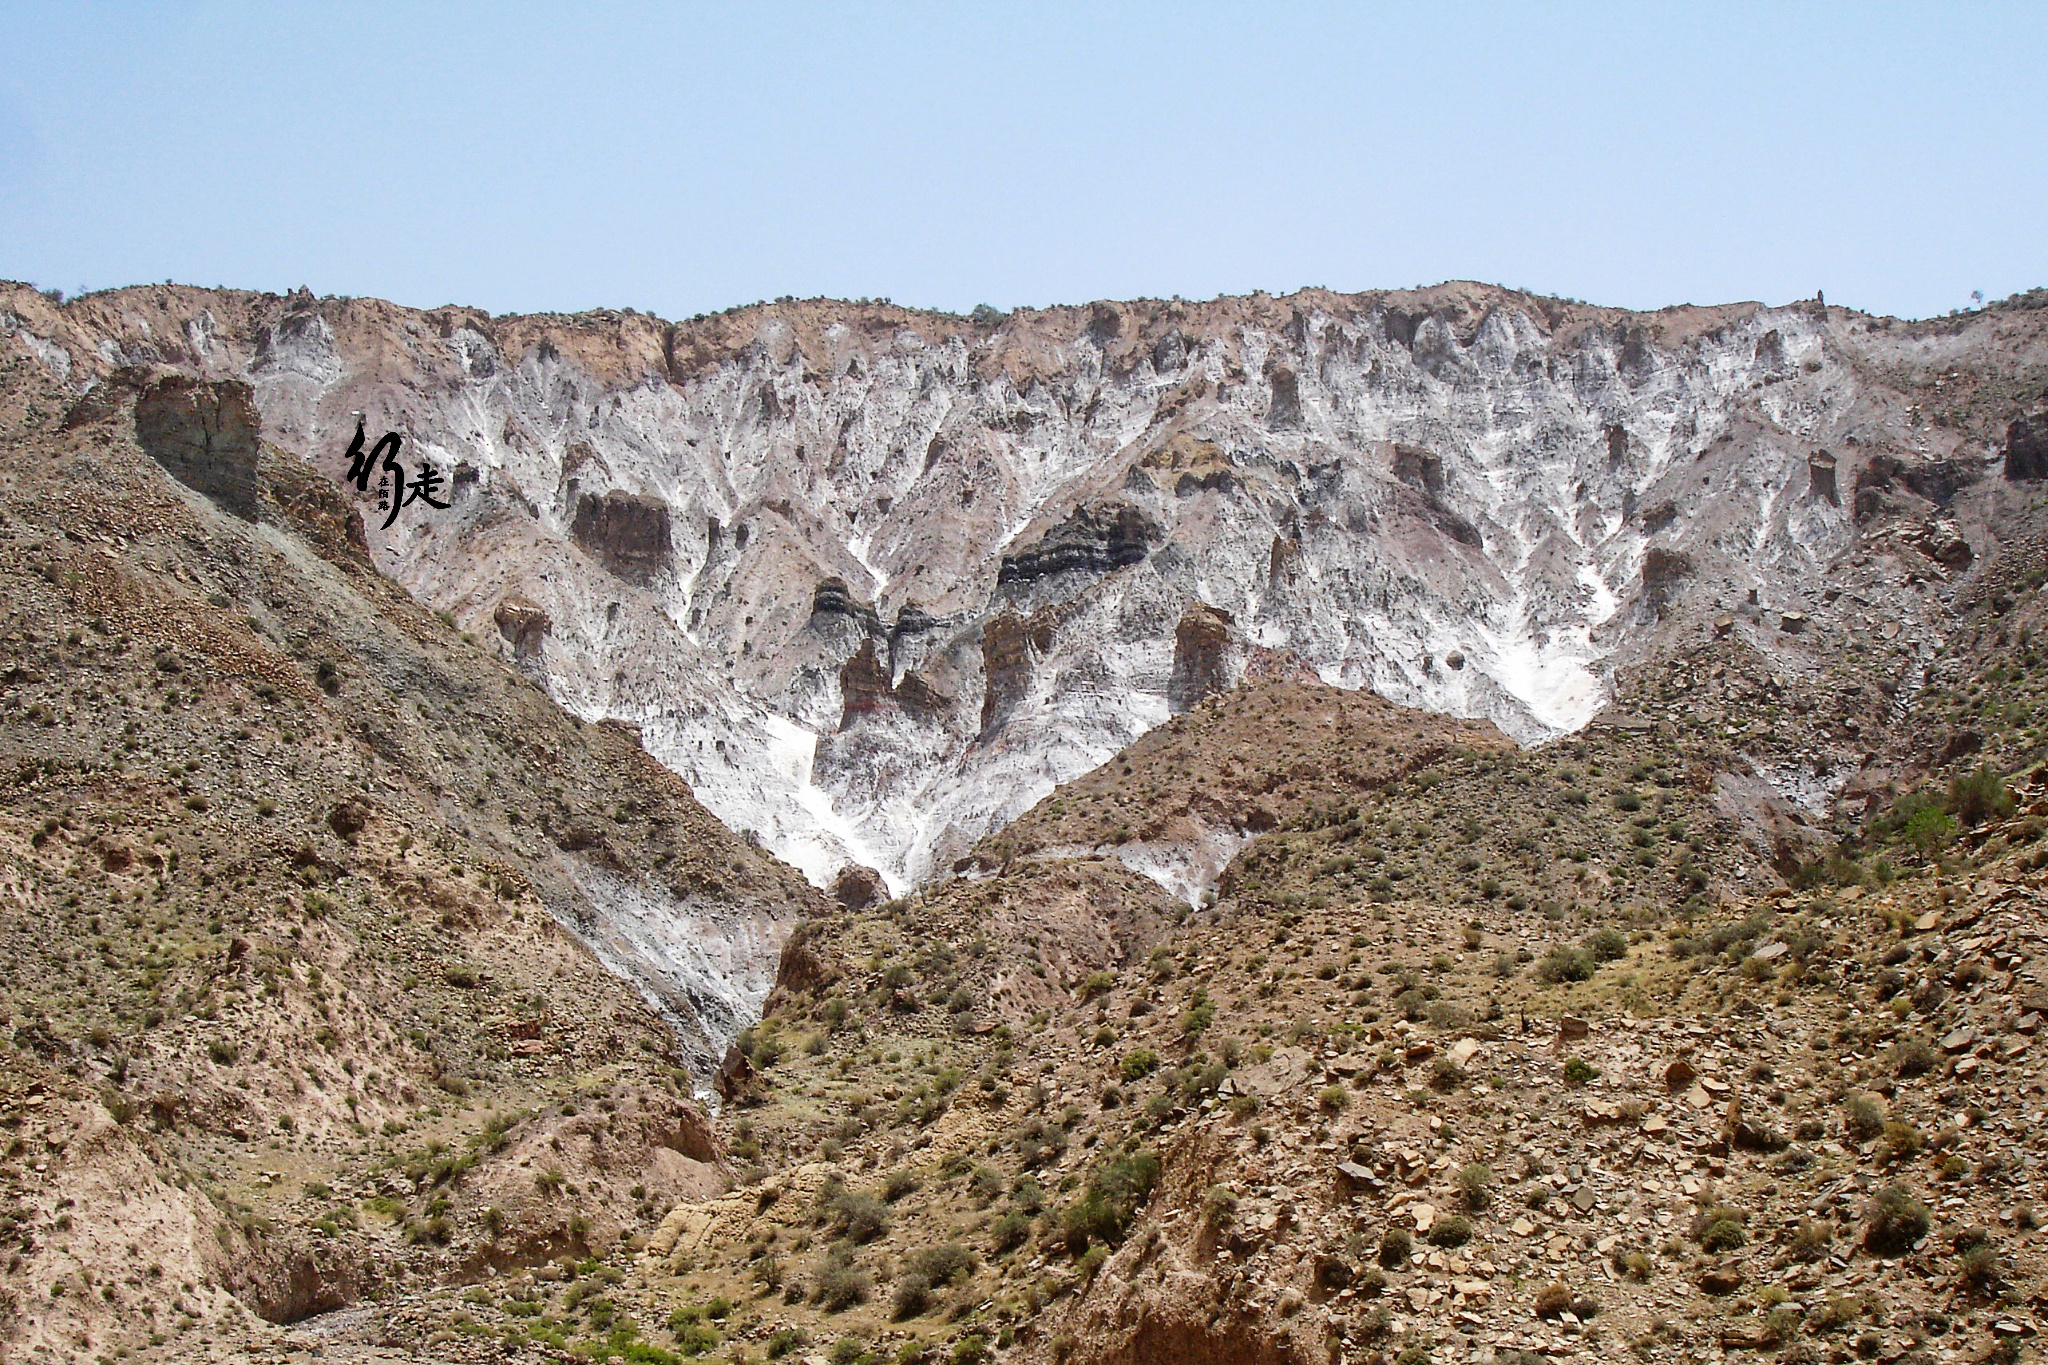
[[1903, 1139], [1564, 963], [1895, 1220], [1978, 796], [1606, 945], [696, 1339], [1395, 1248], [860, 1218], [1810, 1240], [986, 1184], [944, 1263], [1913, 1056], [1579, 1071], [1450, 1232], [912, 1297], [841, 1284], [784, 1340], [1863, 1115], [1009, 1231], [1116, 1191], [1980, 1269], [1138, 1064], [1929, 829], [1723, 1234]]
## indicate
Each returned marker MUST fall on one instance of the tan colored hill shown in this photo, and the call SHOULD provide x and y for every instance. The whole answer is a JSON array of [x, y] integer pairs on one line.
[[289, 1016], [356, 993], [1046, 1112]]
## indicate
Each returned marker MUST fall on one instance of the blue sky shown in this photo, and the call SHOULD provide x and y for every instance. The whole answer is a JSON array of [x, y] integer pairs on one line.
[[682, 159]]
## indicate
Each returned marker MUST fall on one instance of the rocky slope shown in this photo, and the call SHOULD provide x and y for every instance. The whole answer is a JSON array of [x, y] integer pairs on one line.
[[1478, 1053], [351, 976], [318, 924], [874, 581], [1673, 1106]]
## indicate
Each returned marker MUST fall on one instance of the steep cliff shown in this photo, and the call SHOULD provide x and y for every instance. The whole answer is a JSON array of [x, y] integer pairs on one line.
[[874, 581]]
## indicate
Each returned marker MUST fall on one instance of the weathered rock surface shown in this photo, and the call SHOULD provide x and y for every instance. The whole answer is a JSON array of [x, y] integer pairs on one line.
[[205, 434], [1376, 484]]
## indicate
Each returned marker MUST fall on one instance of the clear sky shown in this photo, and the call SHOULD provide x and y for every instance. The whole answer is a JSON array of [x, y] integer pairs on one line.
[[682, 159]]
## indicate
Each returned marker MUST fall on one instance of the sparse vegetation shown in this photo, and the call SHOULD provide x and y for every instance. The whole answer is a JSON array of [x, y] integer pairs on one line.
[[1549, 992]]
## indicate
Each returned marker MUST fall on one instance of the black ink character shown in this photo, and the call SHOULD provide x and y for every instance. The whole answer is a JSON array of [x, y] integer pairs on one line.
[[420, 489], [385, 452]]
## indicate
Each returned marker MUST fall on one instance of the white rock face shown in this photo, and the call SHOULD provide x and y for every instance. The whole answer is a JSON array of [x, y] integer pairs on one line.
[[874, 582]]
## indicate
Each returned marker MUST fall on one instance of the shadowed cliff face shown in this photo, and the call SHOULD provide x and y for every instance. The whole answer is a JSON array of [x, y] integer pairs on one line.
[[873, 581], [205, 436]]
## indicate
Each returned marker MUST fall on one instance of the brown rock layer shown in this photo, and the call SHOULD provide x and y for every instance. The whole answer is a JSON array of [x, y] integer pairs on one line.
[[627, 533]]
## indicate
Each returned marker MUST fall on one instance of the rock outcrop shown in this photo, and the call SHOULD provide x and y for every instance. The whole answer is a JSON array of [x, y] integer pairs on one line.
[[1664, 573], [1369, 483], [1201, 656], [1820, 476], [205, 434], [1094, 539], [628, 533], [2026, 446], [1009, 643], [523, 624]]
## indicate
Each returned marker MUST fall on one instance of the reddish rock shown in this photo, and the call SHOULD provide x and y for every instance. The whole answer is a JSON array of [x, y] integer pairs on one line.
[[1009, 644], [1720, 1279], [857, 887], [348, 819], [1201, 656], [523, 624]]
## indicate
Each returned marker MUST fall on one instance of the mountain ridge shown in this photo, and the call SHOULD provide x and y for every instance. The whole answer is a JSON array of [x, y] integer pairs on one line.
[[896, 561]]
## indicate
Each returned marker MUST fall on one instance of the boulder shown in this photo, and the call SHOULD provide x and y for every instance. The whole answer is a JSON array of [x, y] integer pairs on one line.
[[1720, 1279], [523, 624], [348, 819], [857, 887], [1941, 540], [1820, 476], [734, 1071], [1663, 573]]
